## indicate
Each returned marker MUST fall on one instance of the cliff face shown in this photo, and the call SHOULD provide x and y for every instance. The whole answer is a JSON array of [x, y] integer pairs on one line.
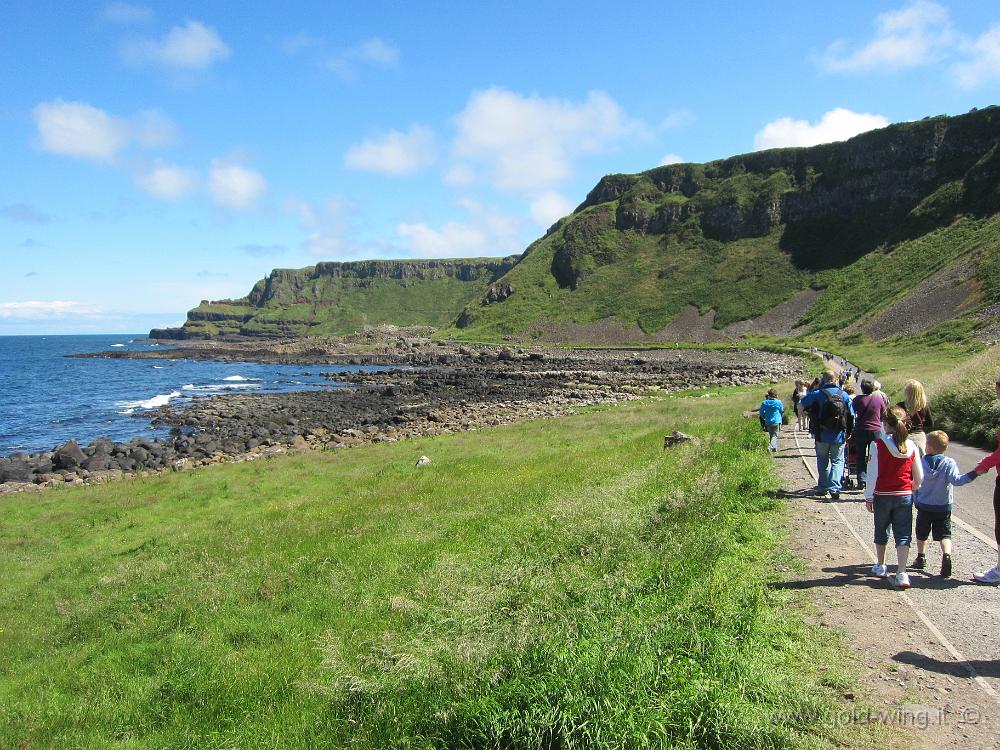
[[641, 247], [331, 298], [873, 183], [732, 238]]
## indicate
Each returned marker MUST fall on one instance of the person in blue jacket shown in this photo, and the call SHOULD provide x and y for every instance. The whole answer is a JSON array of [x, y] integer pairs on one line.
[[935, 499], [771, 413], [833, 419]]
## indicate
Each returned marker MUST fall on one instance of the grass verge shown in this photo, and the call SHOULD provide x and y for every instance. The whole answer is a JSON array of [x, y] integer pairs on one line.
[[562, 583]]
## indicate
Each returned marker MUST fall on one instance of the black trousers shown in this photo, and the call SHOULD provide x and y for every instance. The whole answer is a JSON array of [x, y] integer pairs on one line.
[[996, 509]]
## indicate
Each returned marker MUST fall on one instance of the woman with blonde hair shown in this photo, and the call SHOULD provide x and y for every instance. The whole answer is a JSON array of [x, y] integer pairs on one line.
[[919, 420]]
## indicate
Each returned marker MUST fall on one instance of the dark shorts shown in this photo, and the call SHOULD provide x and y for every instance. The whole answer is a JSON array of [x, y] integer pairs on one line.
[[937, 522]]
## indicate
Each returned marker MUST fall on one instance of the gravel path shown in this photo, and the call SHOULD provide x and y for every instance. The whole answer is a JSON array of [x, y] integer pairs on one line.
[[929, 657], [973, 502]]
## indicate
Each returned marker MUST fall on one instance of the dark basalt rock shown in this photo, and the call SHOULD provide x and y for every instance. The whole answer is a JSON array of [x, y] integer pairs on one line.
[[17, 470], [68, 456], [99, 461]]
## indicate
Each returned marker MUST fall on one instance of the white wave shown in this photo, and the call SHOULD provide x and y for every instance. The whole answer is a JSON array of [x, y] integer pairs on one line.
[[237, 378], [157, 367], [151, 403], [113, 345], [219, 387]]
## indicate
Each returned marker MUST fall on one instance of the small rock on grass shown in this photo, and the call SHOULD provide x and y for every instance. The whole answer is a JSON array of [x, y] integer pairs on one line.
[[676, 437], [423, 461]]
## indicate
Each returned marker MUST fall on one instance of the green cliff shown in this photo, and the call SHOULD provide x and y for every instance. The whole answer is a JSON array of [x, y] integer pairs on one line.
[[844, 233], [337, 298], [894, 231]]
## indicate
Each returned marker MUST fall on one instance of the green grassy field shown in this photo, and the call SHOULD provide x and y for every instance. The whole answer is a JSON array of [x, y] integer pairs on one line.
[[561, 583]]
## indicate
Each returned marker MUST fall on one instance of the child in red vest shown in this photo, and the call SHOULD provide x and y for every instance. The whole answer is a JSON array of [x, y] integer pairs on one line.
[[894, 475]]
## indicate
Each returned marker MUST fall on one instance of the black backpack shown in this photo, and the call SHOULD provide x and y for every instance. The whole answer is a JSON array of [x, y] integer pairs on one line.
[[833, 413]]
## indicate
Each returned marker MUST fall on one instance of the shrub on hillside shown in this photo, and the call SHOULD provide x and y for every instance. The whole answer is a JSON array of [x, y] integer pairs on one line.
[[966, 404]]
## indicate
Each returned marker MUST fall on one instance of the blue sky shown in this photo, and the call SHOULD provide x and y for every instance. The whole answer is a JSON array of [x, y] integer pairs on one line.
[[156, 154]]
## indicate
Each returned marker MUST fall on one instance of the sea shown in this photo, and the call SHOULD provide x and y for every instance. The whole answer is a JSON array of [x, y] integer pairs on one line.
[[47, 398]]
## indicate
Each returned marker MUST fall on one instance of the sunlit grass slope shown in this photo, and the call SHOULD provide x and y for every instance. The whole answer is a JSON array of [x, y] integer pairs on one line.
[[561, 583]]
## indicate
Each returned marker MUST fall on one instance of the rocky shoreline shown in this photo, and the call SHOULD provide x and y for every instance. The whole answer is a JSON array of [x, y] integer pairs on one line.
[[436, 390]]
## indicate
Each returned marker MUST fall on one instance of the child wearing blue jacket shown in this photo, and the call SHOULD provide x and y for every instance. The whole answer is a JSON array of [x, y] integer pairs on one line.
[[771, 414], [935, 500]]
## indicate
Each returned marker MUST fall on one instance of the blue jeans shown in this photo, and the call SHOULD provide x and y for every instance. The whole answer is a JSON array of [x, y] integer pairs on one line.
[[895, 511], [772, 431], [862, 439], [829, 466]]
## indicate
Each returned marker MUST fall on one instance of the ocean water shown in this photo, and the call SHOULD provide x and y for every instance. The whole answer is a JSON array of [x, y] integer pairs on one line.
[[46, 398]]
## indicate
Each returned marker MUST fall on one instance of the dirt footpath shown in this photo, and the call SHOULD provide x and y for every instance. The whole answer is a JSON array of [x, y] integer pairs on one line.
[[930, 657]]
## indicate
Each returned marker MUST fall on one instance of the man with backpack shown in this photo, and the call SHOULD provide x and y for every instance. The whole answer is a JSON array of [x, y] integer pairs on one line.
[[832, 420]]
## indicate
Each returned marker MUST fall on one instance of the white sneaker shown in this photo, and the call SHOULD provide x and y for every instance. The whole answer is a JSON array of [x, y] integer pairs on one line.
[[991, 576], [901, 580], [879, 570]]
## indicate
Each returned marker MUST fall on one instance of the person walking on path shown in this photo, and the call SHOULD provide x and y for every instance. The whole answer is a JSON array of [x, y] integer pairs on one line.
[[992, 461], [895, 471], [771, 413], [919, 420], [834, 421], [869, 408], [879, 392], [800, 413], [935, 499]]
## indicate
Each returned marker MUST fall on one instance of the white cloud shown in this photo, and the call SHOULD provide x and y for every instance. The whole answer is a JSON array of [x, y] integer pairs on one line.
[[916, 35], [235, 186], [394, 153], [38, 310], [919, 34], [166, 181], [487, 232], [303, 211], [125, 13], [549, 207], [328, 228], [460, 175], [193, 46], [83, 131], [836, 125], [151, 128], [529, 143], [982, 63], [377, 52], [678, 118], [372, 51], [80, 130], [672, 159]]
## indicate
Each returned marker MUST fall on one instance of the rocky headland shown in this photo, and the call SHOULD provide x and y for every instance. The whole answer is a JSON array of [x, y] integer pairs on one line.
[[435, 389], [766, 242]]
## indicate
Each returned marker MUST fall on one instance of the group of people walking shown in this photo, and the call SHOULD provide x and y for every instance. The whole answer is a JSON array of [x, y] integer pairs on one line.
[[900, 462]]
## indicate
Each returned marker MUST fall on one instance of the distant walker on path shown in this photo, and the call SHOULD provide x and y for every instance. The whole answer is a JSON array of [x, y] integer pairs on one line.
[[771, 414]]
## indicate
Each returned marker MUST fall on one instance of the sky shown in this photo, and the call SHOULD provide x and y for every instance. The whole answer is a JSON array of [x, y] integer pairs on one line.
[[156, 154]]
